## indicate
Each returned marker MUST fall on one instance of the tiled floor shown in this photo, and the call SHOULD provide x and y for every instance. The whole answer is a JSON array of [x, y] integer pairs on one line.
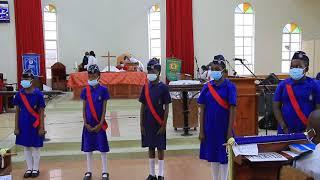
[[176, 168], [64, 122]]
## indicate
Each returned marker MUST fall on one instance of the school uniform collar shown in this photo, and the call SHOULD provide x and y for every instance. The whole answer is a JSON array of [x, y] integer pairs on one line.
[[93, 87], [34, 91], [154, 85], [292, 82], [224, 83]]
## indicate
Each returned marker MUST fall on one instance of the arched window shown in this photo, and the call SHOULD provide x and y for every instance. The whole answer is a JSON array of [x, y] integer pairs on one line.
[[244, 37], [50, 37], [291, 42], [154, 32]]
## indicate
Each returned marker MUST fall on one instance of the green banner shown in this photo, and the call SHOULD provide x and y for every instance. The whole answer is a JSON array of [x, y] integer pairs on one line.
[[173, 68]]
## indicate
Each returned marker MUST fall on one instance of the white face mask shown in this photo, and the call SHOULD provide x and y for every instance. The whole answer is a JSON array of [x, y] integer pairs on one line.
[[152, 77], [93, 82]]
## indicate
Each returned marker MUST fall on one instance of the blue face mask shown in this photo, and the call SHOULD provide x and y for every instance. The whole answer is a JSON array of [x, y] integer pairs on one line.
[[216, 75], [25, 83], [152, 77], [296, 73], [93, 82]]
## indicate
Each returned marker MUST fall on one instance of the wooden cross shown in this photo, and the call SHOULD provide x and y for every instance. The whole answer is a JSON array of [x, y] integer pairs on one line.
[[109, 56]]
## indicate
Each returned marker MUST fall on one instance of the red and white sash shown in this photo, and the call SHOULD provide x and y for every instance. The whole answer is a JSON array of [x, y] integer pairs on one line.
[[93, 110]]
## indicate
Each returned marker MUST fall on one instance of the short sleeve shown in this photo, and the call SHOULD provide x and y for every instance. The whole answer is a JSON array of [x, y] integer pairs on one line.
[[232, 96], [202, 96], [166, 95], [83, 95], [316, 92], [106, 95], [278, 92], [142, 98], [17, 100], [42, 103]]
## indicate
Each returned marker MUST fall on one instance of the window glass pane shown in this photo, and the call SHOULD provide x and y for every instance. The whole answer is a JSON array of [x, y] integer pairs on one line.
[[155, 52], [238, 42], [285, 55], [248, 59], [248, 19], [50, 62], [48, 73], [155, 43], [238, 19], [155, 24], [247, 50], [286, 38], [155, 16], [295, 46], [285, 47], [239, 69], [285, 66], [50, 26], [50, 35], [155, 34], [50, 16], [246, 71], [51, 45], [248, 31], [239, 31], [247, 42], [51, 54], [239, 51], [295, 37]]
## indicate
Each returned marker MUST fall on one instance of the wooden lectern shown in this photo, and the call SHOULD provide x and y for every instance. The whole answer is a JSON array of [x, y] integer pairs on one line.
[[246, 122], [240, 168]]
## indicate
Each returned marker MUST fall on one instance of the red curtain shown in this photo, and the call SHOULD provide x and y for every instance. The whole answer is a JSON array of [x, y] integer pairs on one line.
[[180, 33], [29, 33]]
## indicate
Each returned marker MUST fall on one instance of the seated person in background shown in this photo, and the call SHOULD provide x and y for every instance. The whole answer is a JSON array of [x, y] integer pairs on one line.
[[310, 164], [91, 59], [204, 73], [85, 60], [122, 66], [133, 60]]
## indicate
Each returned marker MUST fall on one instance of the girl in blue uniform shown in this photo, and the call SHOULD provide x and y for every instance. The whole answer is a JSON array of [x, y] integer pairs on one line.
[[29, 123], [217, 100], [94, 137], [296, 97], [155, 99]]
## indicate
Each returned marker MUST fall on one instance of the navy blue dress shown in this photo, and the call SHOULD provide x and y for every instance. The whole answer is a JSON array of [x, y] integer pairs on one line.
[[216, 121], [92, 141], [29, 136], [160, 96], [307, 93]]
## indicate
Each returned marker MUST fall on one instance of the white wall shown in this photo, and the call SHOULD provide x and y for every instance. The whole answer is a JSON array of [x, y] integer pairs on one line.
[[214, 28], [8, 55], [117, 26]]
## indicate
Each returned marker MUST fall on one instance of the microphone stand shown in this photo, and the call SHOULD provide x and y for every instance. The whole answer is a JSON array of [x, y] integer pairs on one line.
[[235, 74], [198, 69], [266, 91]]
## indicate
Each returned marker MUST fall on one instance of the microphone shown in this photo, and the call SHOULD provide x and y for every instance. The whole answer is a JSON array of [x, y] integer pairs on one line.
[[238, 59]]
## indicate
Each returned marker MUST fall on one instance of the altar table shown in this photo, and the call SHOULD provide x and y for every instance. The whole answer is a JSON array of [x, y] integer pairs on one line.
[[120, 84]]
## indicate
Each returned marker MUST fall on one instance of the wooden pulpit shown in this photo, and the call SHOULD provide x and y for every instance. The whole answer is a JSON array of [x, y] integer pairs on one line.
[[59, 77], [246, 122], [241, 168]]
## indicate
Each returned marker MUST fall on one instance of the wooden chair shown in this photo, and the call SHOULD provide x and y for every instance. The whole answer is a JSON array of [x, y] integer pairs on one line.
[[59, 77]]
